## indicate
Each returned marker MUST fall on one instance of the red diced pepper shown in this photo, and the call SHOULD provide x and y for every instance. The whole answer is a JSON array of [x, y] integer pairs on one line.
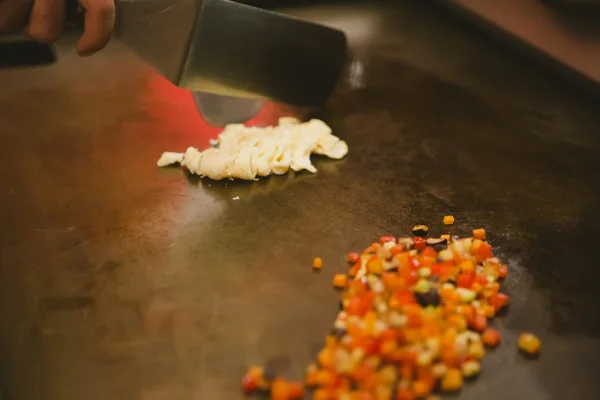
[[478, 323], [420, 243], [502, 271], [404, 297], [446, 270], [369, 345], [385, 239], [491, 337], [414, 263], [354, 270], [412, 278], [249, 383], [397, 249], [481, 279], [251, 379], [499, 300], [466, 280], [358, 306], [353, 257], [484, 251], [429, 252]]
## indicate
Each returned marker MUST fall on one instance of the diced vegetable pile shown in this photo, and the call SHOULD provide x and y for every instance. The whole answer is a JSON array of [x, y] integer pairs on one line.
[[413, 322]]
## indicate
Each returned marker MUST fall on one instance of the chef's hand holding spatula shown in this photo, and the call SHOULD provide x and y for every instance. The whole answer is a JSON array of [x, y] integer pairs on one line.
[[198, 44], [44, 21]]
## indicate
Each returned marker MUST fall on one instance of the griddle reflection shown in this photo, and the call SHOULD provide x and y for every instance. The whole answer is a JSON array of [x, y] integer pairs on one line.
[[244, 190]]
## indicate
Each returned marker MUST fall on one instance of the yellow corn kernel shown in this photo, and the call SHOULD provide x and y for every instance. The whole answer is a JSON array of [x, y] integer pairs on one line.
[[448, 220], [453, 381], [470, 368], [529, 343], [317, 263], [467, 266], [476, 350], [339, 281]]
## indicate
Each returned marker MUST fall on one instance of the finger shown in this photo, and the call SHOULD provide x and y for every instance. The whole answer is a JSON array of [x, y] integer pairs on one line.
[[46, 20], [98, 25], [13, 15]]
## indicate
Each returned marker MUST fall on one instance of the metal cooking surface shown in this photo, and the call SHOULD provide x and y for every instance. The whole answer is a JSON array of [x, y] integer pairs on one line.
[[563, 34], [122, 281]]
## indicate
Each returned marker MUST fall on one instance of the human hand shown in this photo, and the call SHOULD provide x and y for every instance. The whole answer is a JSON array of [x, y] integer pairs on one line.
[[44, 20]]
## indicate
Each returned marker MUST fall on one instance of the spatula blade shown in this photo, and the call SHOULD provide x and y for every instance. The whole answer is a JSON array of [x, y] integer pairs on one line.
[[228, 48]]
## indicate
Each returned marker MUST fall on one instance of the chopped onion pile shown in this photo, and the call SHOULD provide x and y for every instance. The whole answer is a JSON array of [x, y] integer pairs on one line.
[[243, 152]]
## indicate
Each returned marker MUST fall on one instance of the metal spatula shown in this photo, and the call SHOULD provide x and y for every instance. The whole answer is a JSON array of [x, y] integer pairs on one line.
[[228, 48]]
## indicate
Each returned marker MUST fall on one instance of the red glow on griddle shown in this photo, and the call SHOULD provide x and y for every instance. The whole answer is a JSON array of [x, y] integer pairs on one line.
[[181, 102], [270, 114]]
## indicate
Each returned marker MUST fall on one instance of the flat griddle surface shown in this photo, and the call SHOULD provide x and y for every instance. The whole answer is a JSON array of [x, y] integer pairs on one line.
[[122, 281]]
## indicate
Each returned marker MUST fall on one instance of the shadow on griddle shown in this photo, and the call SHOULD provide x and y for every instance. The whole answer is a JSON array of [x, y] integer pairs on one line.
[[22, 53]]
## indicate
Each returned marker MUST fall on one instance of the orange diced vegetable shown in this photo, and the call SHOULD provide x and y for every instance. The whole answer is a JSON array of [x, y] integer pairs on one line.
[[491, 337], [479, 234], [453, 381], [484, 251], [317, 263], [502, 271], [448, 220], [479, 323], [421, 389], [499, 300], [375, 266], [282, 390], [405, 394], [340, 280], [353, 257]]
